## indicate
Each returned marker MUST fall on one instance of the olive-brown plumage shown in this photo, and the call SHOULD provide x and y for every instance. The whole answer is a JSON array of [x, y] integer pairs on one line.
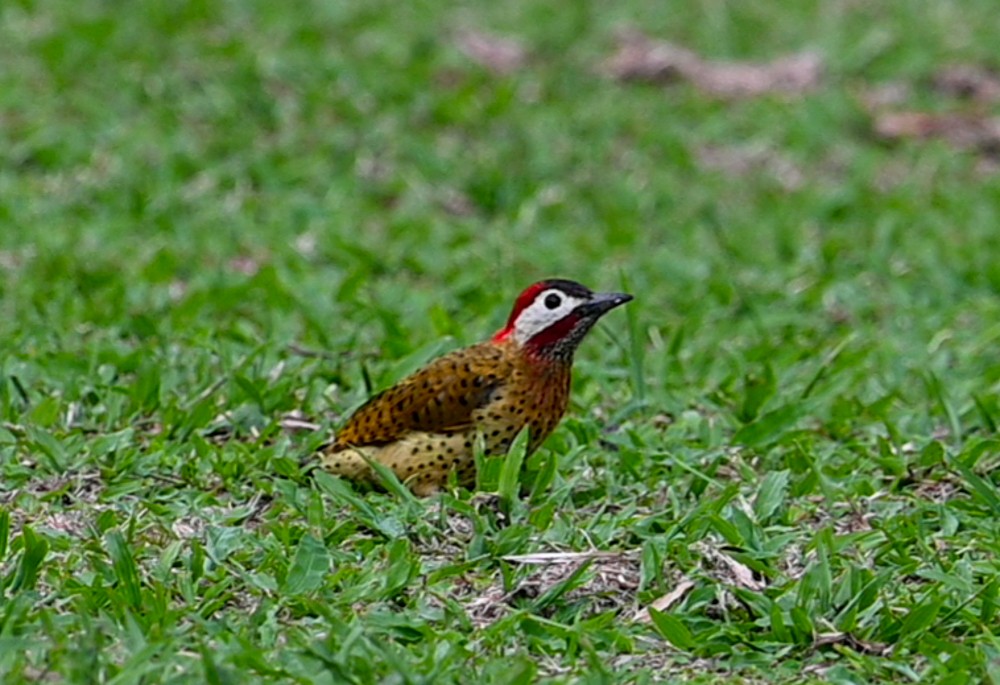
[[424, 427]]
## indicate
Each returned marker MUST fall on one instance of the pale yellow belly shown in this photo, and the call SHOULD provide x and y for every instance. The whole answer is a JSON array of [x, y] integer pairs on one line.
[[423, 461]]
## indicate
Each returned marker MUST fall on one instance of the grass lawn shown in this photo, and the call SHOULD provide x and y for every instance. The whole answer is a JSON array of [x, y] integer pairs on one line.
[[224, 224]]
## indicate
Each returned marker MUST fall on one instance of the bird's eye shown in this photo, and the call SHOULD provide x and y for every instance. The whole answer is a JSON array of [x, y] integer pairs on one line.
[[553, 301]]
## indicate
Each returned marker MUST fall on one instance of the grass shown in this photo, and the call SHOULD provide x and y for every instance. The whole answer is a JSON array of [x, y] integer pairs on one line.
[[221, 216]]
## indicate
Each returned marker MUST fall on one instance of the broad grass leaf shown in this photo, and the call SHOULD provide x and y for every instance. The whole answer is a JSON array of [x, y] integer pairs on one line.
[[309, 566], [920, 617], [510, 474], [391, 482], [980, 488], [35, 549], [758, 388], [672, 629], [771, 495], [124, 566], [803, 624], [770, 427], [342, 492], [989, 602]]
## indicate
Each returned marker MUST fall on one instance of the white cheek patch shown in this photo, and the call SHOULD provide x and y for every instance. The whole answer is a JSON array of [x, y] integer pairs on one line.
[[536, 317]]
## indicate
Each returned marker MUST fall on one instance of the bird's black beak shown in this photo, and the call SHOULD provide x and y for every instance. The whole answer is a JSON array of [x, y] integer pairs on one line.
[[601, 303]]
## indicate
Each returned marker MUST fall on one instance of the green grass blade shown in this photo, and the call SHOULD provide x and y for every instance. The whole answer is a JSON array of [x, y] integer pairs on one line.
[[770, 426], [123, 563], [637, 345], [672, 629], [771, 495], [4, 533], [388, 479], [309, 567], [981, 489], [569, 583], [509, 487], [33, 552]]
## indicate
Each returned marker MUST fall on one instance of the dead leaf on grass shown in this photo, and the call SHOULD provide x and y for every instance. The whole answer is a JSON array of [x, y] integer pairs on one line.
[[457, 203], [611, 583], [856, 644], [939, 491], [742, 160], [884, 95], [975, 132], [729, 570], [542, 558], [640, 58], [246, 265], [968, 82], [10, 260], [498, 54], [295, 422], [488, 606], [665, 602]]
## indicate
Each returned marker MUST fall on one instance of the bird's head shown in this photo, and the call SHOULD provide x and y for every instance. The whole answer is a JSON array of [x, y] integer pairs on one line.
[[551, 317]]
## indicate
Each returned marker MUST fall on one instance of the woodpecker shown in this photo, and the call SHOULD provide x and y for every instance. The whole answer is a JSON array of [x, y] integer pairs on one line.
[[425, 426]]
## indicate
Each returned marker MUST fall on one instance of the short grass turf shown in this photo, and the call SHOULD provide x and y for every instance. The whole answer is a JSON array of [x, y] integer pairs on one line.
[[224, 224]]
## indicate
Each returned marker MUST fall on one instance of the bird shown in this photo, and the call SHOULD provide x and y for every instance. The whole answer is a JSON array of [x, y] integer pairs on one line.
[[425, 427]]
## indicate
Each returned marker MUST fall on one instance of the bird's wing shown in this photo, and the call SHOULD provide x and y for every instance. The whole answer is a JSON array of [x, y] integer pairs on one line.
[[439, 398]]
